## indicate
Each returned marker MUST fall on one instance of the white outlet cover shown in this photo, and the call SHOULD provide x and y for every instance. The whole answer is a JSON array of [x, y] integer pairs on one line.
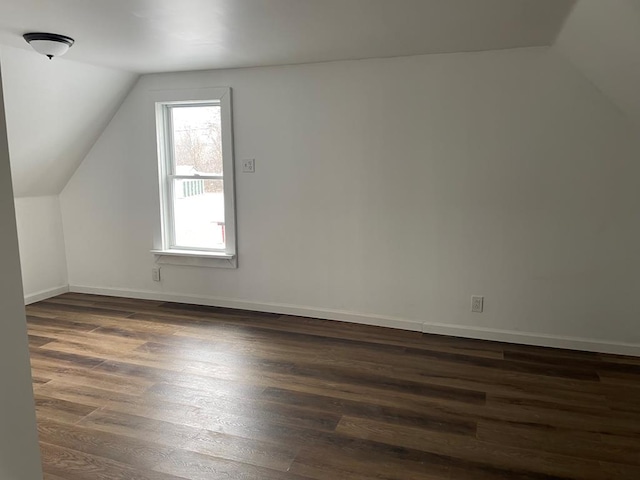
[[477, 304]]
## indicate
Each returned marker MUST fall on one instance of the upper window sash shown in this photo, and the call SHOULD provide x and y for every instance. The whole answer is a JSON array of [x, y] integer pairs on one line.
[[169, 152]]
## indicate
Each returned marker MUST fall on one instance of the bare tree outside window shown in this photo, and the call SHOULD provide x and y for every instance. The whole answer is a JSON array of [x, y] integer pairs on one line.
[[198, 142]]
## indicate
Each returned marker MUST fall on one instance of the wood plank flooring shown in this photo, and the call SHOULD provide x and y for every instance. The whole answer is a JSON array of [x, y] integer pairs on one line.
[[144, 390]]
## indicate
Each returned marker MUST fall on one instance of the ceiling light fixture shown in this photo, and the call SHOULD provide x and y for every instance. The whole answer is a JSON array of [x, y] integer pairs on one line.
[[49, 44]]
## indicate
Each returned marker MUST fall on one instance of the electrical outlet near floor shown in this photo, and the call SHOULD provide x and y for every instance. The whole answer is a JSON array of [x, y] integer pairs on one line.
[[155, 274], [477, 304]]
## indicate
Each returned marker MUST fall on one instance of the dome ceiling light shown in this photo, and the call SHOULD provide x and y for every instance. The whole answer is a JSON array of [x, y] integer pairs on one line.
[[49, 44]]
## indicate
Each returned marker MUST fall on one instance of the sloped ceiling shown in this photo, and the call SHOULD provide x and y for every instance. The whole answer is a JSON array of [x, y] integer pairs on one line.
[[55, 112], [148, 36], [57, 109], [602, 39]]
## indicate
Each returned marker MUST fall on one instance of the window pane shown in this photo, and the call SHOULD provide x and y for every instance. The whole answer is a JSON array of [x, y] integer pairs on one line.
[[197, 140], [198, 207]]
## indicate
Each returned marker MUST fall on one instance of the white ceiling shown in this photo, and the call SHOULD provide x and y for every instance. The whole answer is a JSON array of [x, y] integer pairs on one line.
[[55, 112], [172, 35], [602, 38]]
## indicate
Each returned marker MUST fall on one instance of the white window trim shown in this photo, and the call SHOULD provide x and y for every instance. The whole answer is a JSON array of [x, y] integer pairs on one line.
[[162, 250]]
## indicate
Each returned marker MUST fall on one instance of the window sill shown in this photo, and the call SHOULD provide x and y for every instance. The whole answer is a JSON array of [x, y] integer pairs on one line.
[[192, 258]]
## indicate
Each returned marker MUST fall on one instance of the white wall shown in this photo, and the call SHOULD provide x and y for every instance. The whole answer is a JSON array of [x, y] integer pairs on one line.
[[42, 252], [391, 191], [19, 454]]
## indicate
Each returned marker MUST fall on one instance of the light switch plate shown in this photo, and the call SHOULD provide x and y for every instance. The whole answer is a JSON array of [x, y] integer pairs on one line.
[[249, 166]]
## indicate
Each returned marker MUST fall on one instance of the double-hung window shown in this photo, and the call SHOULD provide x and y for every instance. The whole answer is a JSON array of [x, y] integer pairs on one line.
[[195, 155]]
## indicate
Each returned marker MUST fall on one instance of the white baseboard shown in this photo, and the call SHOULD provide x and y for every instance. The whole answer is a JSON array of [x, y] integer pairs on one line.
[[510, 336], [44, 294], [283, 309], [537, 339]]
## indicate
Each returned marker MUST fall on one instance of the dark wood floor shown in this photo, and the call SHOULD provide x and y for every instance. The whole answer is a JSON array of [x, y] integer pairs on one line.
[[143, 390]]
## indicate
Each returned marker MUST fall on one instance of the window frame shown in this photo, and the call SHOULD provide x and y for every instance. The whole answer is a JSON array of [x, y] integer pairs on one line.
[[168, 251]]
